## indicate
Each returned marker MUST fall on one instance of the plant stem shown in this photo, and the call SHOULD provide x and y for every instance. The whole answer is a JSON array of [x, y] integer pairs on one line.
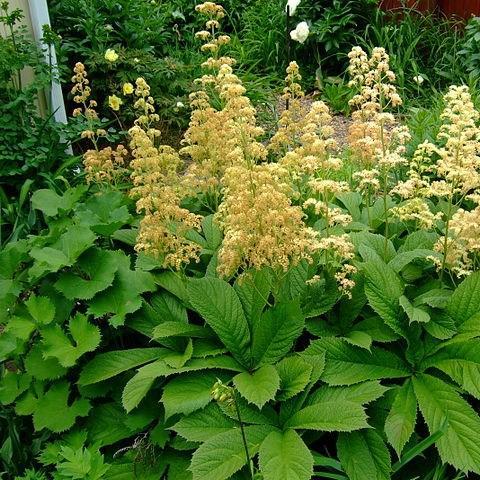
[[244, 438]]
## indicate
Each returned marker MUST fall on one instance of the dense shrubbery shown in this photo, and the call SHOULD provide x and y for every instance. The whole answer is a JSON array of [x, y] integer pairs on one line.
[[252, 305]]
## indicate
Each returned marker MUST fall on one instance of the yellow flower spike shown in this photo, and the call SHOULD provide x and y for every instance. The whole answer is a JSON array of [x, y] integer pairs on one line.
[[111, 55], [114, 102]]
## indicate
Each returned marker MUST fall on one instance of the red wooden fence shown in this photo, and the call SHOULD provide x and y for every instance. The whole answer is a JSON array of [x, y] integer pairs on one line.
[[460, 8]]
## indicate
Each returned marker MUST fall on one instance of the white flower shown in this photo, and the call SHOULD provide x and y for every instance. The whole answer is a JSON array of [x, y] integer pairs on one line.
[[180, 105], [300, 34], [418, 79], [293, 4]]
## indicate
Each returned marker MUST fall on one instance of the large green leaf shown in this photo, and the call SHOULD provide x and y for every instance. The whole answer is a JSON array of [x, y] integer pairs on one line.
[[124, 296], [107, 365], [364, 455], [189, 392], [276, 331], [54, 411], [383, 289], [253, 290], [284, 456], [223, 455], [363, 393], [414, 314], [96, 272], [85, 337], [258, 387], [400, 422], [439, 402], [465, 300], [330, 416], [347, 364], [204, 424], [218, 304], [461, 362]]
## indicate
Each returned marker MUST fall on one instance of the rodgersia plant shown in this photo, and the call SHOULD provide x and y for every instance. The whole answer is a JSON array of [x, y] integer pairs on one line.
[[277, 309]]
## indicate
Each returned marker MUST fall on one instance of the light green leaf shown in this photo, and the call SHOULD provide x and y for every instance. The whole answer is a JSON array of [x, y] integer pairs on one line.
[[400, 261], [347, 364], [284, 456], [124, 296], [42, 368], [109, 364], [218, 304], [363, 393], [49, 202], [414, 314], [364, 455], [276, 331], [260, 386], [98, 266], [383, 288], [213, 234], [400, 422], [438, 402], [41, 309], [330, 416], [223, 455], [12, 385], [86, 338], [465, 300], [135, 390], [461, 362], [54, 412], [189, 392], [204, 424], [359, 339], [253, 290], [168, 308], [294, 376], [177, 329]]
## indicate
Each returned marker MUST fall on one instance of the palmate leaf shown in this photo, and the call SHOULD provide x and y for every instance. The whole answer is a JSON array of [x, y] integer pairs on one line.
[[284, 456], [439, 402], [189, 392], [109, 364], [99, 266], [347, 364], [50, 203], [461, 362], [276, 331], [217, 302], [124, 296], [258, 387], [86, 338], [53, 411], [204, 424], [400, 422], [364, 455], [223, 455]]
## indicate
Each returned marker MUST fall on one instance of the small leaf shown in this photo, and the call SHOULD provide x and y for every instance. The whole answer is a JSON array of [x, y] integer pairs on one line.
[[260, 386], [53, 411], [414, 314], [284, 456], [41, 309], [189, 392], [86, 338], [294, 376], [400, 422]]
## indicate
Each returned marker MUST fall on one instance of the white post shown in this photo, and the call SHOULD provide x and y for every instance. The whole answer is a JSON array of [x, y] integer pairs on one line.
[[39, 15]]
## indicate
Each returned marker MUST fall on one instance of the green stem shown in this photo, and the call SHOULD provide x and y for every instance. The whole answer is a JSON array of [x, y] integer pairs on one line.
[[244, 438]]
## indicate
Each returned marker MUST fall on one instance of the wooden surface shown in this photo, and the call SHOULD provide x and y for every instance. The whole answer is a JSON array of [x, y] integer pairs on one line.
[[461, 8]]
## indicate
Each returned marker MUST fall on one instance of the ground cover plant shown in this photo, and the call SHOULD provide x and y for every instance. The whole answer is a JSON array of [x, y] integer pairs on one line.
[[249, 306]]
